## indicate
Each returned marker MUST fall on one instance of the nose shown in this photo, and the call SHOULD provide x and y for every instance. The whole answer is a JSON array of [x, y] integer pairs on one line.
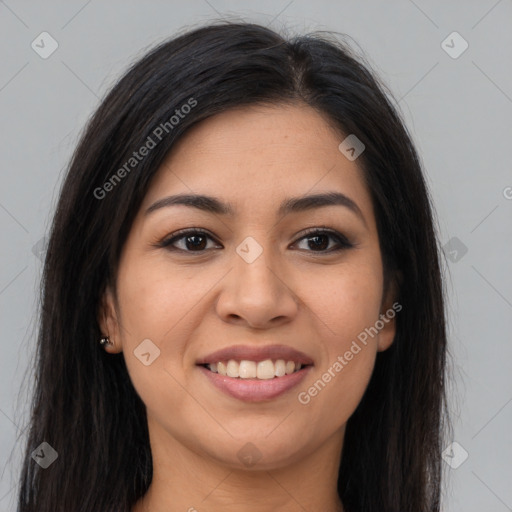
[[257, 294]]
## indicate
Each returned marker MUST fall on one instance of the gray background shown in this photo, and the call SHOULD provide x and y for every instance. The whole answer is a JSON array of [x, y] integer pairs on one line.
[[459, 112]]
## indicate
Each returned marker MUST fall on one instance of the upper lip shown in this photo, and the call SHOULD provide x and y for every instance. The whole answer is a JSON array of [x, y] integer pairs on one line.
[[252, 353]]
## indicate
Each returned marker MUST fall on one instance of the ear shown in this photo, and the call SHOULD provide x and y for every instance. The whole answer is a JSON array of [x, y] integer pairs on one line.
[[389, 309], [108, 321]]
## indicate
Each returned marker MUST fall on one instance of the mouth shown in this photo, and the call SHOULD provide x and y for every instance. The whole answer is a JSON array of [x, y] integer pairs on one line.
[[255, 374], [259, 370]]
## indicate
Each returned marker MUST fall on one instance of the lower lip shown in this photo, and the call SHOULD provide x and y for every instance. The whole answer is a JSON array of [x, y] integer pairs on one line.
[[255, 390]]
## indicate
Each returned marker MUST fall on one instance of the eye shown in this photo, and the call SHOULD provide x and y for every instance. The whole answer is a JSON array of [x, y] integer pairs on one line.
[[192, 240], [196, 240], [318, 240]]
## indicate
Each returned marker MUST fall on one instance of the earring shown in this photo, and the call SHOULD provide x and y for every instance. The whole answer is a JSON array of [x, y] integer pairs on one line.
[[106, 341]]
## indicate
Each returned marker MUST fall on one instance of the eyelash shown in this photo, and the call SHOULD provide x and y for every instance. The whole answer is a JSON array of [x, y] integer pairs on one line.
[[342, 241]]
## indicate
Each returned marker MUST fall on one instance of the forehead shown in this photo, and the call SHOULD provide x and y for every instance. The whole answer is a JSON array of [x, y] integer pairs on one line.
[[270, 132], [256, 156]]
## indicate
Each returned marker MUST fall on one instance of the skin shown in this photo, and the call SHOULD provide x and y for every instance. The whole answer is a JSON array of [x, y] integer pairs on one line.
[[192, 303]]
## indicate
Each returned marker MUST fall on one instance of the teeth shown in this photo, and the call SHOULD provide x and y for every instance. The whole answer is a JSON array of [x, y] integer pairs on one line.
[[290, 367], [221, 368], [263, 370], [266, 369], [233, 369], [247, 369], [280, 368]]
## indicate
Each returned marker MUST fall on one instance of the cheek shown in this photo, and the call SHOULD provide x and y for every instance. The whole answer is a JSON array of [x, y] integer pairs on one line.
[[347, 307], [155, 307], [151, 309], [346, 303], [155, 302]]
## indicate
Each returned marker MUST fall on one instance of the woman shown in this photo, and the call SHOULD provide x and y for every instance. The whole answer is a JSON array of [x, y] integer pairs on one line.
[[242, 303]]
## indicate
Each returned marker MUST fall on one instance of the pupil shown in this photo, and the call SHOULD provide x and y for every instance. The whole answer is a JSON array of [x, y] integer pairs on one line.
[[196, 245], [316, 238], [198, 242]]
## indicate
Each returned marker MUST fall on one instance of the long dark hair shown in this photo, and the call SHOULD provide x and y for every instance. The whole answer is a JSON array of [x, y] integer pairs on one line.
[[84, 404]]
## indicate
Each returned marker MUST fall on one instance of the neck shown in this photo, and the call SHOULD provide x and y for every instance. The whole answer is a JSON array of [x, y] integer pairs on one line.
[[187, 481]]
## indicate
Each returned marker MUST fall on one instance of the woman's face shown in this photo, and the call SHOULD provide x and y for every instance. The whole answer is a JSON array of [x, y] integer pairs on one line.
[[272, 275]]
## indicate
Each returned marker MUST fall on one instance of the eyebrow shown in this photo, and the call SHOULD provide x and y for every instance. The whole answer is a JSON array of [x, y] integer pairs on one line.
[[290, 205]]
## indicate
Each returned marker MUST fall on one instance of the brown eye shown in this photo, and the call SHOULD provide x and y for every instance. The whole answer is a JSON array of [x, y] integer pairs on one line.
[[191, 240], [196, 240], [319, 240]]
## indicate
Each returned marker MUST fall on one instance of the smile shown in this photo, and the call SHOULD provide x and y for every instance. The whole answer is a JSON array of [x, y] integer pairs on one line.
[[255, 373], [262, 370]]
